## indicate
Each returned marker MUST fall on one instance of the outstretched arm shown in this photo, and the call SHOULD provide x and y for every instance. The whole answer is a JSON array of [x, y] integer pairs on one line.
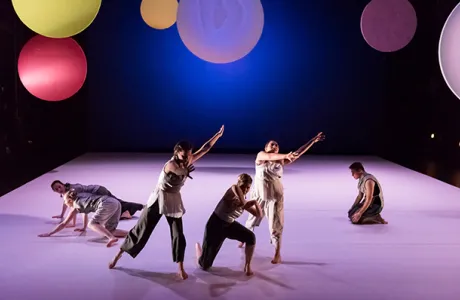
[[85, 224], [61, 225], [264, 156], [301, 151], [64, 208], [207, 146]]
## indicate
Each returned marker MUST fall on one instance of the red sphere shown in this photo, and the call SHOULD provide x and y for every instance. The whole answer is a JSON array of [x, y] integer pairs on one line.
[[52, 69]]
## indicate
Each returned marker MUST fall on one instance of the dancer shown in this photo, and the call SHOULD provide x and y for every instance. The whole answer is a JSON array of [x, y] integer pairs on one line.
[[106, 216], [166, 200], [366, 211], [128, 209], [268, 189], [222, 225]]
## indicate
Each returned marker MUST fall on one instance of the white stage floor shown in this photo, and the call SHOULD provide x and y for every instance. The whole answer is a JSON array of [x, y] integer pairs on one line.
[[415, 256]]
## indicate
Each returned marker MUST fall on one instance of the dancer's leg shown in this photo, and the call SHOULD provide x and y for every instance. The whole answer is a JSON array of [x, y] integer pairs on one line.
[[238, 232], [178, 244], [253, 221], [105, 219], [214, 237], [128, 209], [275, 215], [139, 235]]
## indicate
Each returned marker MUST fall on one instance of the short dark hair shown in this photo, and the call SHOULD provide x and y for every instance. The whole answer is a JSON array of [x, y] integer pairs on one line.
[[182, 146], [54, 182], [356, 166]]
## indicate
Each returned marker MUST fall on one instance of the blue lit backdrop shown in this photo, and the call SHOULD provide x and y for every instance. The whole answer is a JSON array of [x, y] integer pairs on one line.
[[311, 71]]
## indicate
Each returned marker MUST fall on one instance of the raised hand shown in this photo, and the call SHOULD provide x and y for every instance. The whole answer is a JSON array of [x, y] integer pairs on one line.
[[319, 137], [221, 131], [291, 156]]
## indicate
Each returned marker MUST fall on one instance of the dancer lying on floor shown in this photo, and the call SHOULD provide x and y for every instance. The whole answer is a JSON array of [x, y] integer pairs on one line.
[[367, 210], [106, 209], [223, 225], [166, 200], [269, 192], [128, 209]]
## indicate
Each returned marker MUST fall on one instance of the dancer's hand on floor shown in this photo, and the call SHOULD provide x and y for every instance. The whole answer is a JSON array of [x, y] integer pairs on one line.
[[44, 235], [355, 218], [57, 217], [80, 229]]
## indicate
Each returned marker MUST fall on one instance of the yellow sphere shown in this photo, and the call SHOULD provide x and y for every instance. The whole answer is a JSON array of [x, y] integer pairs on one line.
[[159, 14], [57, 18]]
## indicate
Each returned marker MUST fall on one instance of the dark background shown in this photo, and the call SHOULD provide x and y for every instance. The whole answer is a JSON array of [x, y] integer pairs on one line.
[[311, 71]]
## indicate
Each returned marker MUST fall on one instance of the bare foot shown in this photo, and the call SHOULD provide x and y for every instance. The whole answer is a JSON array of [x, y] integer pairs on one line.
[[112, 242], [126, 215], [276, 259], [114, 262], [240, 245], [182, 274], [248, 270], [198, 252], [382, 220]]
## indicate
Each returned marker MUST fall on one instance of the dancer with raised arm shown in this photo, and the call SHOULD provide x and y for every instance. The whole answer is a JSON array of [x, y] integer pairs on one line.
[[268, 189], [223, 225], [166, 200], [106, 216], [128, 209], [369, 203]]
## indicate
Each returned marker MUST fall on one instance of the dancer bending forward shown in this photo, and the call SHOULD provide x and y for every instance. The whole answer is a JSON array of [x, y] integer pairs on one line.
[[367, 210], [222, 225], [269, 192], [166, 200], [106, 216]]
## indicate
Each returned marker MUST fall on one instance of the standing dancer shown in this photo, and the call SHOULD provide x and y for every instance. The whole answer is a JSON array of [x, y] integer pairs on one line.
[[106, 211], [222, 225], [166, 200], [269, 191], [128, 209], [366, 211]]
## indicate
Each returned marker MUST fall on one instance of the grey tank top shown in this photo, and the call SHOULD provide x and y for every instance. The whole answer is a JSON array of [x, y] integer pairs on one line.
[[88, 203], [80, 188], [167, 193], [228, 208], [362, 186]]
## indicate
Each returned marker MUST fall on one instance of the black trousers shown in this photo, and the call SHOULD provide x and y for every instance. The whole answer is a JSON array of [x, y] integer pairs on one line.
[[372, 211], [139, 235], [125, 206], [215, 234]]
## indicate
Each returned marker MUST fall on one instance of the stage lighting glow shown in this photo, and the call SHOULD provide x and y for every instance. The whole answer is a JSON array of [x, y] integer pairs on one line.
[[220, 31], [57, 18], [159, 14], [432, 135], [388, 25], [52, 69], [449, 46]]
